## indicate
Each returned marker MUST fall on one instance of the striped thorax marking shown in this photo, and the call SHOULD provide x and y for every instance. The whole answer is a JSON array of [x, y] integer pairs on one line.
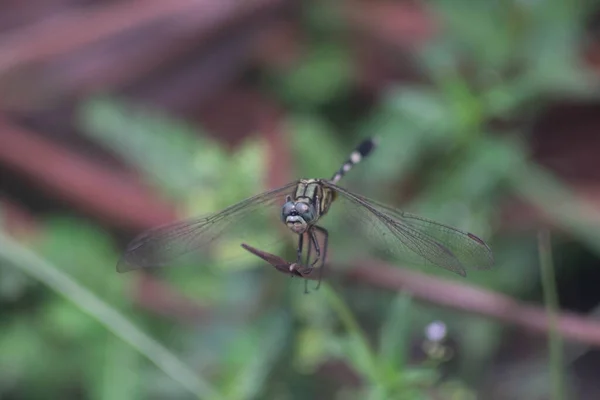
[[311, 190]]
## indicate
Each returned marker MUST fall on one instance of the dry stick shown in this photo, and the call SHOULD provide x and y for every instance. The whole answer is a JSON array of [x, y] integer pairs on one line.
[[459, 296], [122, 62], [87, 185], [55, 36], [79, 27], [477, 301]]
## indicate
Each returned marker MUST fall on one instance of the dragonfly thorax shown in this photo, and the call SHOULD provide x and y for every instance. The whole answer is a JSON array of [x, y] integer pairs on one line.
[[298, 215]]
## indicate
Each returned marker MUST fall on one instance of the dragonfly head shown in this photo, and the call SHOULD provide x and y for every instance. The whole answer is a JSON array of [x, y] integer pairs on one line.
[[298, 215]]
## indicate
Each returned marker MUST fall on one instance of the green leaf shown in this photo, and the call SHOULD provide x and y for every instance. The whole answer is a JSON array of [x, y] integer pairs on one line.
[[311, 137], [325, 74], [168, 151], [395, 334], [258, 357], [119, 379]]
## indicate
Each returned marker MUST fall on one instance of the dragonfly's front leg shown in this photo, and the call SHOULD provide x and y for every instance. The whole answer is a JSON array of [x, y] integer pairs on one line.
[[309, 251], [314, 242], [299, 251], [325, 245]]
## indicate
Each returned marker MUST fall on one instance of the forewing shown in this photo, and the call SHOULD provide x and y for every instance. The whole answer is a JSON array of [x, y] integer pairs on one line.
[[413, 238], [248, 220]]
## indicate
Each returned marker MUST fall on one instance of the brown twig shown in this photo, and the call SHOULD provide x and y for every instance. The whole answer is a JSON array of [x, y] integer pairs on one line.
[[454, 295], [180, 36], [81, 182], [405, 25], [72, 30], [16, 220], [118, 54], [476, 301]]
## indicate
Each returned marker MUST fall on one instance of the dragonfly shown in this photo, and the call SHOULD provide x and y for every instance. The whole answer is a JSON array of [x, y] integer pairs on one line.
[[302, 206]]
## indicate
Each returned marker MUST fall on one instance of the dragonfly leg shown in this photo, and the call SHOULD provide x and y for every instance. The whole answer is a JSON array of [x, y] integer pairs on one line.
[[315, 242], [325, 245], [310, 247], [299, 250], [308, 252]]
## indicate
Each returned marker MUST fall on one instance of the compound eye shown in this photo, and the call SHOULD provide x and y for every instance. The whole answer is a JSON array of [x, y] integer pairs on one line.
[[301, 207], [287, 208]]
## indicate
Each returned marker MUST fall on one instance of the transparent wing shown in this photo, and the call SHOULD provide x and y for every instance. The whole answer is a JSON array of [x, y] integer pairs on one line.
[[413, 238], [251, 220]]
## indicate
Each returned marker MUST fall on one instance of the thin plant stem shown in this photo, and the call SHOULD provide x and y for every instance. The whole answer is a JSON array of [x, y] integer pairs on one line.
[[555, 341]]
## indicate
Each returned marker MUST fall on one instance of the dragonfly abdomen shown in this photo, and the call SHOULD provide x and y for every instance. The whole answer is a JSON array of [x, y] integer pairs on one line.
[[361, 151]]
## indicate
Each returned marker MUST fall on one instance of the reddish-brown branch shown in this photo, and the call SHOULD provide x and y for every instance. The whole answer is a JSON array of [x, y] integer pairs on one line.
[[184, 70], [16, 220], [474, 300], [454, 295], [126, 61], [402, 24], [74, 29], [80, 182]]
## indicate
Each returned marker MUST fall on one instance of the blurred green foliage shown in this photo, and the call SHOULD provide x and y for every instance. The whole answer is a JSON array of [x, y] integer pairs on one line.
[[265, 339]]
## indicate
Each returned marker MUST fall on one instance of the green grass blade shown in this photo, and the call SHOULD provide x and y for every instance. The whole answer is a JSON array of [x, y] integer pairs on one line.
[[120, 378], [555, 342], [360, 345], [38, 268], [395, 333], [250, 380]]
